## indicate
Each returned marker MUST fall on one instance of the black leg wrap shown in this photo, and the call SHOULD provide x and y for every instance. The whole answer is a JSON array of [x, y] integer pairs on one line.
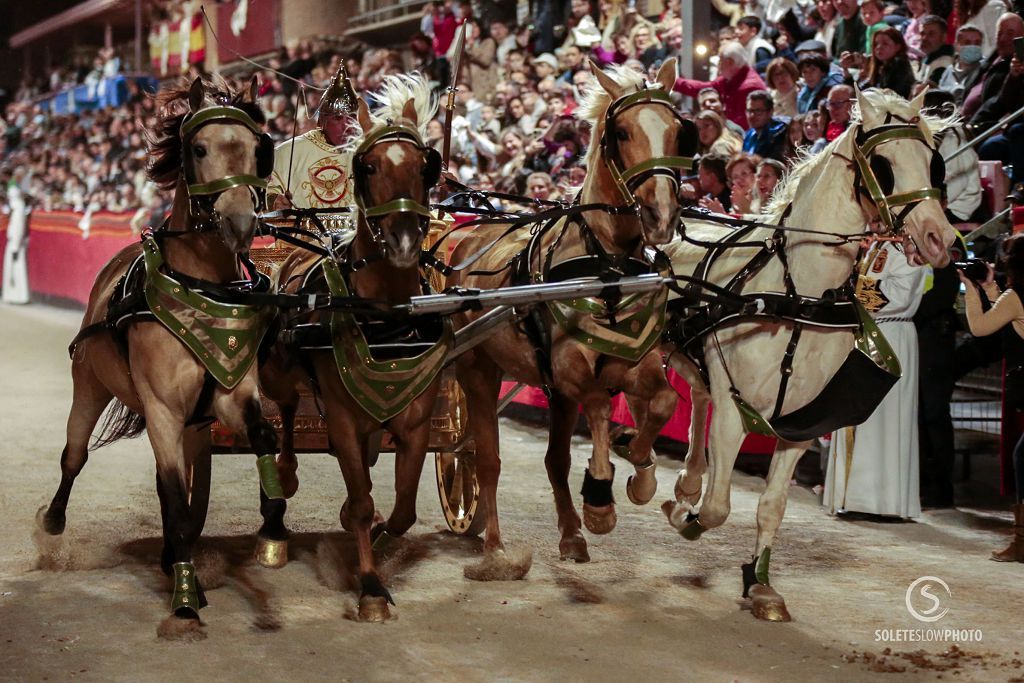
[[749, 578], [377, 530], [273, 511], [597, 493], [372, 586]]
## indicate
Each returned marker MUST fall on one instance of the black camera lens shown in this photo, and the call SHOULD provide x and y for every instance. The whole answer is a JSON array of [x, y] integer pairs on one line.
[[974, 269]]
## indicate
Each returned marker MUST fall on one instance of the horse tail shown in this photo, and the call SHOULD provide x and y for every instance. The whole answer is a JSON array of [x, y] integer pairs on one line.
[[119, 422]]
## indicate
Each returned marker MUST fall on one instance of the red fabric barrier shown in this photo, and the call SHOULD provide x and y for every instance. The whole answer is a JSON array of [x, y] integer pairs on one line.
[[60, 262]]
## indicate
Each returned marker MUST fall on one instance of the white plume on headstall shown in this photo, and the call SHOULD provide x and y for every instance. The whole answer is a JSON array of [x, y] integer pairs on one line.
[[595, 102], [399, 89], [885, 101]]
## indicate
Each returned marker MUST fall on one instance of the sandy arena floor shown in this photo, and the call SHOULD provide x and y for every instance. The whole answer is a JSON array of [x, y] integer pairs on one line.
[[649, 607]]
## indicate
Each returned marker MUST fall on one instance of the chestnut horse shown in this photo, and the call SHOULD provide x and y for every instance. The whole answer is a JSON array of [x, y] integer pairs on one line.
[[208, 147], [885, 161], [635, 128], [367, 381]]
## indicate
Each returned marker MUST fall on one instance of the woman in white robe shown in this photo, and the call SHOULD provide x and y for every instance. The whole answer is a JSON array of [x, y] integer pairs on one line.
[[873, 467], [15, 289]]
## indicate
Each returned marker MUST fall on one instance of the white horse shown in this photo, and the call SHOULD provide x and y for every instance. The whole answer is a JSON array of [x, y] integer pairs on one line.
[[825, 191]]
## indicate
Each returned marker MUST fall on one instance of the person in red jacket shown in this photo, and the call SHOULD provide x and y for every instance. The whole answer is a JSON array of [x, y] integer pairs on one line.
[[736, 80]]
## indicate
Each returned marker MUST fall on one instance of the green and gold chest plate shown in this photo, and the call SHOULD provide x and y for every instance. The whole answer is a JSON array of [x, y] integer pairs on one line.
[[223, 337], [383, 388], [630, 330]]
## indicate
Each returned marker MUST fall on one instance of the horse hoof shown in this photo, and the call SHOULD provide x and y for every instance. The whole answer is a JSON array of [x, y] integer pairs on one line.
[[500, 565], [181, 628], [691, 497], [574, 548], [599, 520], [641, 487], [270, 553], [289, 482], [51, 524], [767, 604], [373, 609]]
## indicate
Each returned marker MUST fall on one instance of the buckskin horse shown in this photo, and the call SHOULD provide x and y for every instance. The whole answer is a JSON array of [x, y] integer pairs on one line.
[[792, 358], [371, 371], [583, 350], [164, 337]]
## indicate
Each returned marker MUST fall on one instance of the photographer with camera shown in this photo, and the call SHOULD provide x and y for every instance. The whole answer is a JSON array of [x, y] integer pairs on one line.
[[1007, 309]]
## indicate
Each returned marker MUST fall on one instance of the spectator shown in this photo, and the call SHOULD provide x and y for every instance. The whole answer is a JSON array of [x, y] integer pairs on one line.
[[767, 134], [539, 185], [872, 13], [480, 58], [850, 31], [769, 174], [968, 59], [714, 186], [736, 80], [758, 50], [742, 172], [837, 108], [938, 55], [708, 99], [824, 18], [818, 81], [985, 14], [781, 79], [715, 138], [1002, 92], [912, 32], [888, 66], [503, 39]]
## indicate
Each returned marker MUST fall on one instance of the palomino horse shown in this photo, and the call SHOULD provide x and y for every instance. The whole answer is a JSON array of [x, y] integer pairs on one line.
[[371, 372], [884, 161], [581, 351], [209, 147]]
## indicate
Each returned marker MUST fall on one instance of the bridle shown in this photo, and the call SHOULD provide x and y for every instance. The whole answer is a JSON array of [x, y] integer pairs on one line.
[[629, 179], [376, 212], [203, 196], [875, 178]]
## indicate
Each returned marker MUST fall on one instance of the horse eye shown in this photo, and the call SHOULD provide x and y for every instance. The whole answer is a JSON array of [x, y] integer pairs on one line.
[[199, 151], [621, 135], [370, 169]]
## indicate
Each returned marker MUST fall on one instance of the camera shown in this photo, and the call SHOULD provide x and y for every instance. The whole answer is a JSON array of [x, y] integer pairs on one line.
[[974, 269]]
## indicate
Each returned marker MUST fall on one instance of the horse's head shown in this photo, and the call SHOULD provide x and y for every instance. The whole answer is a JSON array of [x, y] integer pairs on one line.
[[643, 143], [394, 171], [900, 174]]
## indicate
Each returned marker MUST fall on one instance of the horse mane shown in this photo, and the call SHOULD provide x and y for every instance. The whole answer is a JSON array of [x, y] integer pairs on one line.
[[595, 101], [163, 141], [885, 101], [395, 92]]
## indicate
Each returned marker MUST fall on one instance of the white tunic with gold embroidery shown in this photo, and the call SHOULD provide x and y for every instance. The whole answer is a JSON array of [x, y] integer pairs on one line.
[[321, 175]]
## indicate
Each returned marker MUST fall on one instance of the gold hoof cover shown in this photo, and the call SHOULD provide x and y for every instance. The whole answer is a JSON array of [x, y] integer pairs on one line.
[[767, 604], [271, 554], [373, 609]]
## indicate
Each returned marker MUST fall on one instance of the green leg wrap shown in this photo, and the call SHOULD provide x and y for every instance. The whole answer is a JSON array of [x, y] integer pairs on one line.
[[761, 566], [186, 592], [267, 468]]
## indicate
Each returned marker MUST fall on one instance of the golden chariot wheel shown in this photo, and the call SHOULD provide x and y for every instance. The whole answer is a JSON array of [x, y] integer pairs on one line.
[[457, 485]]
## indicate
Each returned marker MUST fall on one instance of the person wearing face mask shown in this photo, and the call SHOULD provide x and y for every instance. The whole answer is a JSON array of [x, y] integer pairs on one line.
[[965, 64], [1002, 92]]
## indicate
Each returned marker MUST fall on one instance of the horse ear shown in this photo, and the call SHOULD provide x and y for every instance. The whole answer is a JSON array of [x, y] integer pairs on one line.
[[606, 81], [363, 115], [409, 111], [918, 100], [667, 74], [254, 88], [196, 95], [868, 112]]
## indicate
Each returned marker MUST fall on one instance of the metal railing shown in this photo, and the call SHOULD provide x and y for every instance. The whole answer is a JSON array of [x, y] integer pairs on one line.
[[376, 11]]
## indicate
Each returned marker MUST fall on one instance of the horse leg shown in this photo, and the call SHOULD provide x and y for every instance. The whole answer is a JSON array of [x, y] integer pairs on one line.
[[766, 603], [410, 452], [287, 463], [175, 486], [480, 378], [688, 484], [598, 502], [89, 400], [197, 447], [653, 416], [726, 438], [562, 415]]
